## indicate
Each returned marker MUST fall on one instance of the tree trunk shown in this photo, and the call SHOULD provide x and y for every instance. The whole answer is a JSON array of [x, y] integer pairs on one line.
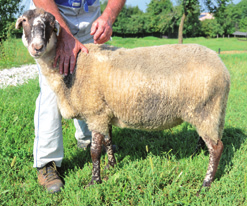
[[180, 30]]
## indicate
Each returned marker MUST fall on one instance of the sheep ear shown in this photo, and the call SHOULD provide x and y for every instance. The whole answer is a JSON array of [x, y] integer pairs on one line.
[[57, 27], [18, 23]]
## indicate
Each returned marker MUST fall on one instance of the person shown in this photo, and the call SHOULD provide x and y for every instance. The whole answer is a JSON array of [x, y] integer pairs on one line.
[[81, 22]]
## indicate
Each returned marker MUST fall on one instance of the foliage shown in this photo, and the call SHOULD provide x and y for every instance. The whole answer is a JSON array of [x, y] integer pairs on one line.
[[153, 168], [232, 17], [189, 6], [160, 15], [228, 19], [162, 18], [243, 24], [129, 21], [241, 16], [192, 23], [210, 28], [8, 10]]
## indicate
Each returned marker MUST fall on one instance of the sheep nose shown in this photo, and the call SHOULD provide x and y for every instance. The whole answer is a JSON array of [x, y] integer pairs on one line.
[[37, 47]]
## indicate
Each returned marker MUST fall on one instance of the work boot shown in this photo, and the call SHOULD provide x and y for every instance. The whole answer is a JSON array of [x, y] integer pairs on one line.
[[48, 177], [81, 144]]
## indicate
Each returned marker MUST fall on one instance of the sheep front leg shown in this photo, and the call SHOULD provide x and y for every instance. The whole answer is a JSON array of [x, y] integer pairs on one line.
[[108, 145], [215, 151], [96, 146]]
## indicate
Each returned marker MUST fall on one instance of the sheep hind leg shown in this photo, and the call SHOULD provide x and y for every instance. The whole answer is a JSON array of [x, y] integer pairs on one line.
[[215, 151], [108, 145], [96, 146]]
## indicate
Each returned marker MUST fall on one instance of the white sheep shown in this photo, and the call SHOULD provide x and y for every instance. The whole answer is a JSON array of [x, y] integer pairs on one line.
[[152, 88]]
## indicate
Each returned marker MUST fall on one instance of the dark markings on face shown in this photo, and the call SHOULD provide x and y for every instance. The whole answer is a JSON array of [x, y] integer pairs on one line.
[[47, 22]]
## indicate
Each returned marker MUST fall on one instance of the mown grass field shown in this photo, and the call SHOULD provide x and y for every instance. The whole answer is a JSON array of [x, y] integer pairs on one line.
[[153, 168], [13, 53], [224, 44]]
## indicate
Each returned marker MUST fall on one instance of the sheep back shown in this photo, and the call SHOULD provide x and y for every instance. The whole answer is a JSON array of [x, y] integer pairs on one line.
[[151, 88]]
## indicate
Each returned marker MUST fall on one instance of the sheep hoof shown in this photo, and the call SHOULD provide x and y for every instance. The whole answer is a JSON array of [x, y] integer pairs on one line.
[[110, 165], [93, 182], [105, 178], [107, 167], [206, 188]]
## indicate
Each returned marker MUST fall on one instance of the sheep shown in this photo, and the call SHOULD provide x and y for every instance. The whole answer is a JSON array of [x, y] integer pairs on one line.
[[149, 88]]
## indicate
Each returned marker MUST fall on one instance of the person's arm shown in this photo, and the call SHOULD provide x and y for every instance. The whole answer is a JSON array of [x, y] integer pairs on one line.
[[102, 27], [67, 46]]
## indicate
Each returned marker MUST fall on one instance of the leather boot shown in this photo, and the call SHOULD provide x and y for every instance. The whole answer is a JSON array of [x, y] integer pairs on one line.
[[48, 177]]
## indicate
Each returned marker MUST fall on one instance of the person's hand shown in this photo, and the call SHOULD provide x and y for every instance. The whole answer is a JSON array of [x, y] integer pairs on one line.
[[67, 49], [102, 30]]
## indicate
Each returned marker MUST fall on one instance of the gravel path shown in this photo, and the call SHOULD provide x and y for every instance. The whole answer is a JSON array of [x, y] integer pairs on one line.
[[16, 76]]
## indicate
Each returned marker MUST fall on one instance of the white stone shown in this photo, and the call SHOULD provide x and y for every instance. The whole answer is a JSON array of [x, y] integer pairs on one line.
[[17, 76]]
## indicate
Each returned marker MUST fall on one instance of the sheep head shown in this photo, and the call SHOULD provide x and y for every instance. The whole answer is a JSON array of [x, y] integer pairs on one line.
[[39, 31]]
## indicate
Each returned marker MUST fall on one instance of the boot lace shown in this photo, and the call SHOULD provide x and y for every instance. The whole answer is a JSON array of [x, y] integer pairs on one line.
[[50, 171]]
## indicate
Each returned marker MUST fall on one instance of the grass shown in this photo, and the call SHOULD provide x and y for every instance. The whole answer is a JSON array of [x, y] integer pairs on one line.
[[225, 44], [14, 54], [153, 168]]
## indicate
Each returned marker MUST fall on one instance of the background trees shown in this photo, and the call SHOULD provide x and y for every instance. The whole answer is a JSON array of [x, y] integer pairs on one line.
[[161, 19], [159, 16], [8, 9]]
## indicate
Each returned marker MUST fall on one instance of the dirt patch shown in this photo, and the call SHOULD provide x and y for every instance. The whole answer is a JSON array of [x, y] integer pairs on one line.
[[232, 52]]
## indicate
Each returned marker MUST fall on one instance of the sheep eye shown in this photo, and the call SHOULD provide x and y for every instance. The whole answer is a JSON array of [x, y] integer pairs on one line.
[[24, 20]]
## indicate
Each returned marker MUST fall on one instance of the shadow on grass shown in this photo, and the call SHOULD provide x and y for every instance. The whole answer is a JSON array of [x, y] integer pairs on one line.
[[180, 143], [232, 139]]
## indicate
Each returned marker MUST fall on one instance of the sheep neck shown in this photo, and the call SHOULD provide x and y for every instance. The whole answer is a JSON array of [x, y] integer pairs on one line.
[[48, 57], [51, 74], [56, 83]]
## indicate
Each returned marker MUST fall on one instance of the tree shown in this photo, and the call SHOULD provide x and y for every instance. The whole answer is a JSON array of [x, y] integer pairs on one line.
[[8, 10], [135, 25], [159, 15], [238, 15], [210, 28], [242, 8], [189, 6], [243, 24], [229, 19], [129, 21], [192, 24]]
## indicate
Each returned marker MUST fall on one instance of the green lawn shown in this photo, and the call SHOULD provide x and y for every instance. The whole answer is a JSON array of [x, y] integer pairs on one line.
[[13, 53], [225, 44], [153, 168]]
